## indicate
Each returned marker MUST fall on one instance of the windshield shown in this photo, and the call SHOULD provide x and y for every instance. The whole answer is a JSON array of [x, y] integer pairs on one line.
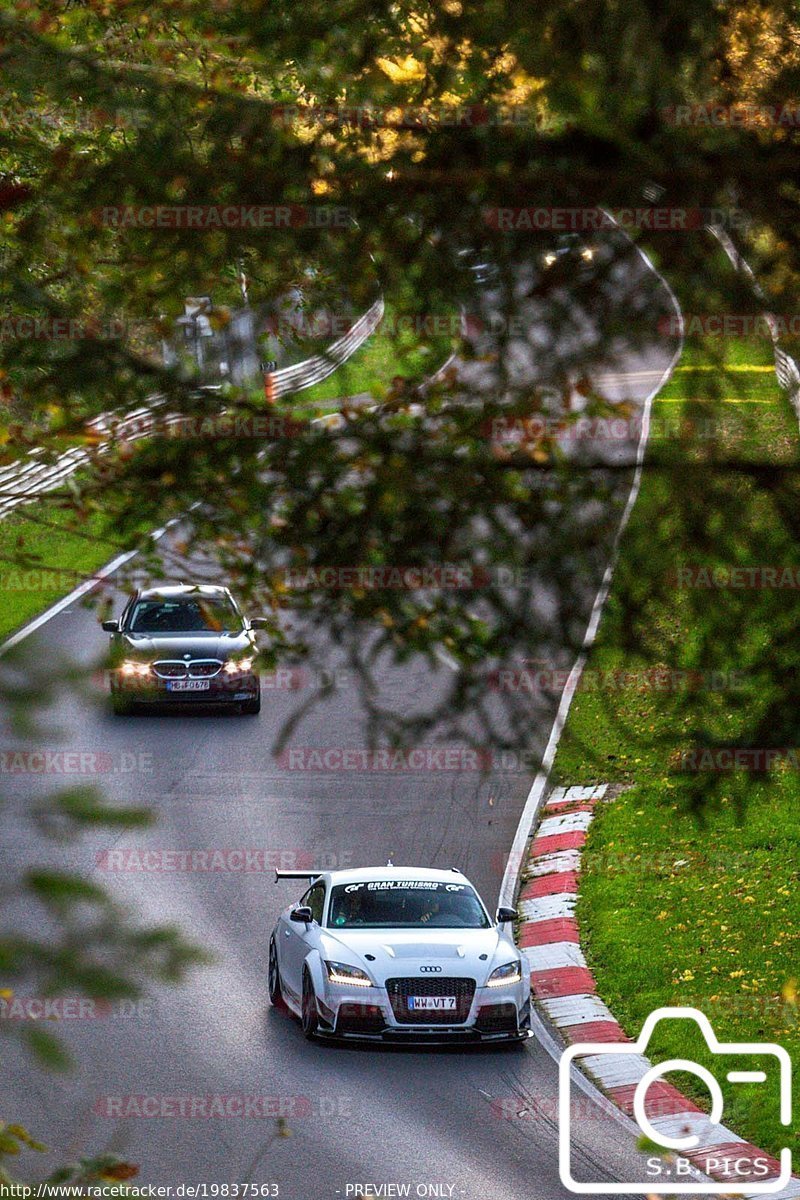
[[406, 904], [185, 614]]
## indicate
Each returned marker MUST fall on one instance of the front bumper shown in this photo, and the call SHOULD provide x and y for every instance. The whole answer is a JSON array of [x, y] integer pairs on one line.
[[492, 1018], [433, 1037], [221, 689]]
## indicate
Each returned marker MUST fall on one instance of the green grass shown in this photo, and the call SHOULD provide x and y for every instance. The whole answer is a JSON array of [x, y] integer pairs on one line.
[[690, 893], [58, 550], [383, 357]]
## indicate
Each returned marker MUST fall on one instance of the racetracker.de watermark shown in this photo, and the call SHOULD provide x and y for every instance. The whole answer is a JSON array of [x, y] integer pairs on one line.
[[73, 1008], [219, 1105], [415, 116], [415, 760], [728, 577], [422, 324], [775, 1009], [722, 759], [244, 860], [671, 219], [536, 678], [352, 758], [224, 216], [19, 327], [269, 426], [732, 116], [76, 762], [744, 325], [434, 576], [42, 579], [281, 679], [510, 433], [533, 430]]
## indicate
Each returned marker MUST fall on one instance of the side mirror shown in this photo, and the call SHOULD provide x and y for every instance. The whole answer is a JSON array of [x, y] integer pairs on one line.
[[111, 626], [303, 914], [506, 914], [258, 622]]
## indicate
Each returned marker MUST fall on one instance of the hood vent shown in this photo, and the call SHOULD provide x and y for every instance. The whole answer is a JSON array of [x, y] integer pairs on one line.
[[429, 950]]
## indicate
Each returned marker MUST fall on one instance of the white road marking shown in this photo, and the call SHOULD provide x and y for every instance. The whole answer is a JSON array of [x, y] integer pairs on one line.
[[577, 1010], [62, 605], [555, 864], [536, 794], [445, 657], [574, 794], [548, 908], [568, 823], [559, 954], [616, 1070]]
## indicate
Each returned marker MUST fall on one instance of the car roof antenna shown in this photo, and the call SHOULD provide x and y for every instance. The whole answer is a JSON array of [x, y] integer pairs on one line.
[[389, 862]]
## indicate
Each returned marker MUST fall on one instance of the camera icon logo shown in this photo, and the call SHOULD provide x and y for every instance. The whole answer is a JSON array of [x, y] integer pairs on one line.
[[698, 1135]]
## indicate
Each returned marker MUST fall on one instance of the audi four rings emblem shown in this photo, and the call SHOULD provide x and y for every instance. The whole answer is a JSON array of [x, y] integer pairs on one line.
[[430, 970]]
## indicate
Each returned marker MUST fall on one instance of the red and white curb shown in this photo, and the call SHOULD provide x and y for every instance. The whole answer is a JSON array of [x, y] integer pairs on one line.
[[565, 990]]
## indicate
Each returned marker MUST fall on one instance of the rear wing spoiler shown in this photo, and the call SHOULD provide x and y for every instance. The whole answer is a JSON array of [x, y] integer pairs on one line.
[[279, 875]]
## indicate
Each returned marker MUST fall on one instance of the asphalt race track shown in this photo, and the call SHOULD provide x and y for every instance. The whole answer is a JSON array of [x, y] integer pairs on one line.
[[478, 1124]]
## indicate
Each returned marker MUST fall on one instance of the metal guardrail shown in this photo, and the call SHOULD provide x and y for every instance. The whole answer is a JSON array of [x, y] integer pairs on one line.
[[314, 370], [20, 483], [787, 371], [788, 374]]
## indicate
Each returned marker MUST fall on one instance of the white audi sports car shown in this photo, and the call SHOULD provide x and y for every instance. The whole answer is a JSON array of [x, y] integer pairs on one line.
[[399, 954]]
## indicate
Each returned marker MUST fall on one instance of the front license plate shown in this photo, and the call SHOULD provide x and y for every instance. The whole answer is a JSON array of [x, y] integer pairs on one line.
[[432, 1003], [188, 685]]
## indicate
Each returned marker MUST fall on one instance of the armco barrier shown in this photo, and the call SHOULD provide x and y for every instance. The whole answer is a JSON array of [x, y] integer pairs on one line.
[[787, 371], [22, 482]]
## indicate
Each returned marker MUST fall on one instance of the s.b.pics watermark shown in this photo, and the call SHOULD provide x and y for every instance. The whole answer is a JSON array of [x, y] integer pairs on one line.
[[692, 1152]]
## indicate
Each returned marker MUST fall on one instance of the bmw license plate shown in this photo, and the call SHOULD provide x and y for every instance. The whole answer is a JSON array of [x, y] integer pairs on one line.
[[432, 1003], [188, 685]]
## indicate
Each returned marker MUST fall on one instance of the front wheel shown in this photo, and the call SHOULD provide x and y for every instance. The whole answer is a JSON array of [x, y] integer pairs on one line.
[[310, 1015], [251, 708], [121, 706], [275, 993]]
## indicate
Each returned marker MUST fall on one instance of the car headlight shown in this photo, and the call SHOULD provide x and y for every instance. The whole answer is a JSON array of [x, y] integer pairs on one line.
[[587, 254], [342, 973], [135, 668], [501, 976], [549, 259], [237, 666]]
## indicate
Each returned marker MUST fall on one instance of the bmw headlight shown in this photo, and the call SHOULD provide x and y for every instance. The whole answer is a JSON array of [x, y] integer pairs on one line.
[[238, 666], [587, 254], [142, 669], [343, 973], [549, 259], [502, 976]]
